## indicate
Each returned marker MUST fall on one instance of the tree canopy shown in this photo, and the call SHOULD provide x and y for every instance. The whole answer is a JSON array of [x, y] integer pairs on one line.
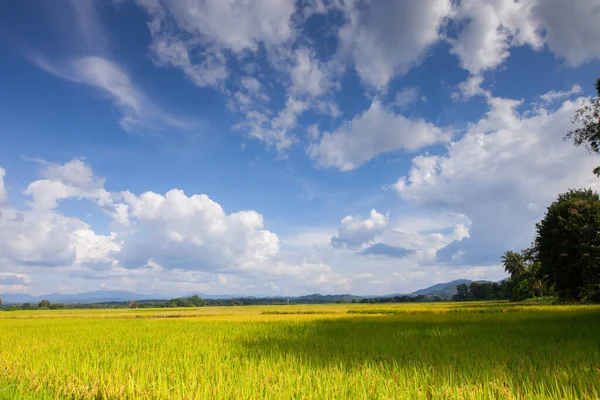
[[587, 118], [568, 245]]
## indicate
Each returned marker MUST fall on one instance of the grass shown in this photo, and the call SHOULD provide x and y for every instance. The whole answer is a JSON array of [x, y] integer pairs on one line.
[[409, 351]]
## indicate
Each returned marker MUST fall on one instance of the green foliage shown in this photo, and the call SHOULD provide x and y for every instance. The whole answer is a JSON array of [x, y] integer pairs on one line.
[[525, 275], [568, 245], [462, 292], [514, 263], [482, 291], [44, 304], [587, 118]]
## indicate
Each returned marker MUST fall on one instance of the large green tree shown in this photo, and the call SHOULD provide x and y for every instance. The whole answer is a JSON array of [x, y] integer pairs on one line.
[[587, 118], [568, 245]]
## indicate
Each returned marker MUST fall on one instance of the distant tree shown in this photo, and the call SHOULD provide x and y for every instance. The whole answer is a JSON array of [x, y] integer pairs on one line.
[[568, 245], [133, 304], [514, 263], [196, 301], [588, 120], [44, 304], [462, 292], [0, 302], [480, 290]]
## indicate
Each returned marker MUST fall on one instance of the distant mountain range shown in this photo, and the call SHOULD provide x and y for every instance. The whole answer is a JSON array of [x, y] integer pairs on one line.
[[444, 290], [99, 296]]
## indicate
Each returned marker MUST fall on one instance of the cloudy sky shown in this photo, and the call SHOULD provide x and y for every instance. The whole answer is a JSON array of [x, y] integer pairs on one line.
[[282, 146]]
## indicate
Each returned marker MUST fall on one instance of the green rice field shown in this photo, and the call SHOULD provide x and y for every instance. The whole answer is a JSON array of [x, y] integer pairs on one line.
[[491, 350]]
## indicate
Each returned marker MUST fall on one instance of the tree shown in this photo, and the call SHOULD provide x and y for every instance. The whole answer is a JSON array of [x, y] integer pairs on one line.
[[44, 304], [568, 245], [514, 263], [0, 302], [133, 304], [462, 292], [588, 120]]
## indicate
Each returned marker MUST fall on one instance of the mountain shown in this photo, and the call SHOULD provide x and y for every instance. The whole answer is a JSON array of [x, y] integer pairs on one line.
[[447, 289], [444, 290], [98, 296], [328, 298]]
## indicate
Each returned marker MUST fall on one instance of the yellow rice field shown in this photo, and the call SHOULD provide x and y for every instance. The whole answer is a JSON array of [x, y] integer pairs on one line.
[[488, 350]]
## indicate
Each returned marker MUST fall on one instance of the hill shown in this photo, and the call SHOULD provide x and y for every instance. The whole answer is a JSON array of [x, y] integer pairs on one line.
[[447, 289]]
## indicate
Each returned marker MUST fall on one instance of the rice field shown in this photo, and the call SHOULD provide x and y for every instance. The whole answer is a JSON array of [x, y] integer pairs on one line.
[[364, 351]]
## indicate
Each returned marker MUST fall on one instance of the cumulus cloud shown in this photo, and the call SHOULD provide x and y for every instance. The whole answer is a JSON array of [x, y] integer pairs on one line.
[[489, 29], [192, 236], [378, 130], [505, 170], [386, 38], [308, 75], [571, 28], [47, 238], [194, 233], [355, 231], [41, 236]]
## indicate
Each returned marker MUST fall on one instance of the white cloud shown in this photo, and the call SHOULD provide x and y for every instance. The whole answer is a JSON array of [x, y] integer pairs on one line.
[[505, 170], [491, 28], [236, 25], [194, 35], [47, 238], [251, 84], [168, 51], [355, 231], [470, 87], [386, 38], [3, 197], [571, 27], [554, 95], [113, 81], [194, 233], [204, 247], [73, 179], [307, 75], [378, 130], [14, 282], [42, 236], [407, 97]]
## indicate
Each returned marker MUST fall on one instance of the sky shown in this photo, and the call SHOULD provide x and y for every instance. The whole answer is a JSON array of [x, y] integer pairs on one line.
[[283, 147]]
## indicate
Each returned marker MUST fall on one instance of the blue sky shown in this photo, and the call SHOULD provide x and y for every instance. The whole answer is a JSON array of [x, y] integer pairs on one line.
[[283, 147]]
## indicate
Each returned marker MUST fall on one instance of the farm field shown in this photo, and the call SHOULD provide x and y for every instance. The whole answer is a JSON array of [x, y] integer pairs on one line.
[[367, 351]]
